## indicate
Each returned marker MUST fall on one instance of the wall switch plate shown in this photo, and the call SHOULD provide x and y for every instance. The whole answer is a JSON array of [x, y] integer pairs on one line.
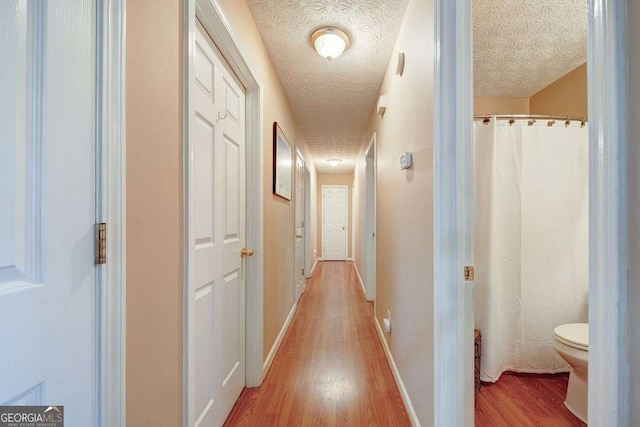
[[406, 161]]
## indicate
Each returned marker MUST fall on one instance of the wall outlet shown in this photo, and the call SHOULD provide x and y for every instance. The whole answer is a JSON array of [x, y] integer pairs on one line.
[[387, 322]]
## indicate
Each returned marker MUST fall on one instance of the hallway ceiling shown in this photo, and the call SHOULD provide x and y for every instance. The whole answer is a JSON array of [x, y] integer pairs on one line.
[[331, 101], [522, 46]]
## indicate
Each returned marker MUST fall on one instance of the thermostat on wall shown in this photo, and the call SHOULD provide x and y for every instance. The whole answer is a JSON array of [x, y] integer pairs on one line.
[[406, 161]]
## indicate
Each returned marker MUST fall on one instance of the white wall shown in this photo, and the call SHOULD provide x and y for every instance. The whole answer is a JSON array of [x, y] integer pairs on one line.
[[633, 14]]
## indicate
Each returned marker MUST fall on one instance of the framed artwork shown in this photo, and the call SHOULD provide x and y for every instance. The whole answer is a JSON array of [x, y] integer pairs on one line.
[[282, 163]]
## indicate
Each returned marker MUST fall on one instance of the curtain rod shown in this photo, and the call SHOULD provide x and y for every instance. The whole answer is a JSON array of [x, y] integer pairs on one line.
[[486, 118]]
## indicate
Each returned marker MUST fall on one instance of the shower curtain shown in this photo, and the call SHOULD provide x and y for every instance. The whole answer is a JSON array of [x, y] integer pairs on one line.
[[531, 241]]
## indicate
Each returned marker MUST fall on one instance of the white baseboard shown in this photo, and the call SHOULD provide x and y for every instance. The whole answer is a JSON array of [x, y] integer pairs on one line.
[[314, 267], [396, 375], [364, 290], [276, 345], [350, 259]]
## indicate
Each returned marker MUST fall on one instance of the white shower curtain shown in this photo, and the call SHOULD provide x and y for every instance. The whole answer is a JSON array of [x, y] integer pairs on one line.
[[531, 241]]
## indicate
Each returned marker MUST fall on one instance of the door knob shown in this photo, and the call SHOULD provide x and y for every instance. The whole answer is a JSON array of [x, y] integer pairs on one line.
[[245, 252]]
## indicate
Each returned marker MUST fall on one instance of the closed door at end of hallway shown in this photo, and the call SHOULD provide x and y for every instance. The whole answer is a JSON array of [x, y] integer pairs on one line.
[[334, 222]]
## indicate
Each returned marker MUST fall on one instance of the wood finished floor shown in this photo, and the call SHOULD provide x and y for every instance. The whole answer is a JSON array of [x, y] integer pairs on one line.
[[331, 369], [524, 400]]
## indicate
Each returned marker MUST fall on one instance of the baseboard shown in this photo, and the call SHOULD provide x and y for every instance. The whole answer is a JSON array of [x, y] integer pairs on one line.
[[276, 345], [350, 259], [413, 417], [314, 267], [364, 290]]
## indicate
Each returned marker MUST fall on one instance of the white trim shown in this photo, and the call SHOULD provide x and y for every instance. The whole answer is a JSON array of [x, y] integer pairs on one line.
[[349, 259], [353, 222], [307, 222], [364, 290], [346, 220], [112, 208], [314, 267], [296, 297], [276, 345], [369, 256], [217, 25], [413, 417], [608, 282], [452, 200]]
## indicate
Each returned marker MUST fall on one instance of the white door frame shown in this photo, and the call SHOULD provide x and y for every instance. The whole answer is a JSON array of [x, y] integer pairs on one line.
[[370, 240], [346, 220], [215, 22], [307, 222], [295, 228], [111, 208], [453, 151]]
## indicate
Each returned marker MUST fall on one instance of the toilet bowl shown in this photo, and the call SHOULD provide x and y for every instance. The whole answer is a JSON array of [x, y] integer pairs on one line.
[[571, 341]]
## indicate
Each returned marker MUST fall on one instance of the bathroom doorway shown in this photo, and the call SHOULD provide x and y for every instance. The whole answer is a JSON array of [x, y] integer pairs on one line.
[[608, 284], [531, 211]]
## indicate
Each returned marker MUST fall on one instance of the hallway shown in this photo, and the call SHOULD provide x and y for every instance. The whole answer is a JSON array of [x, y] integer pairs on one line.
[[331, 368]]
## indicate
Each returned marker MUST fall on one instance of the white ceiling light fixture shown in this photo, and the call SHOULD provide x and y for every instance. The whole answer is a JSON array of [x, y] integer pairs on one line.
[[330, 42], [334, 162]]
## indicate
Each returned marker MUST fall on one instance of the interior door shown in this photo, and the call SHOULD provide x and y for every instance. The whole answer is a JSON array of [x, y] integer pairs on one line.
[[334, 219], [48, 281], [300, 279], [216, 310]]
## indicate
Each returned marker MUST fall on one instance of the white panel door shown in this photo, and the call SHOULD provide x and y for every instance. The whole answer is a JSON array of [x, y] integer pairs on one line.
[[217, 234], [48, 281], [300, 279], [334, 219]]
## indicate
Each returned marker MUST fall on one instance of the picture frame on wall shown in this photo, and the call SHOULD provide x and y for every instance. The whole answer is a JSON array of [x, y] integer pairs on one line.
[[282, 163]]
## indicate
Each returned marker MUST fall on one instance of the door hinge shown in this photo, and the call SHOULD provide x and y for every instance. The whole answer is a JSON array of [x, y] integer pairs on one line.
[[303, 271], [469, 273], [101, 243]]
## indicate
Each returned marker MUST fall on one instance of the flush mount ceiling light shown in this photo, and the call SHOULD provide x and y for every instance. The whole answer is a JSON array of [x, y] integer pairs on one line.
[[334, 162], [330, 42]]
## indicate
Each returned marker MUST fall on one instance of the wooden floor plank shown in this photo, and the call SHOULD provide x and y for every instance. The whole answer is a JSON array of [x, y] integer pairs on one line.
[[331, 369], [525, 400]]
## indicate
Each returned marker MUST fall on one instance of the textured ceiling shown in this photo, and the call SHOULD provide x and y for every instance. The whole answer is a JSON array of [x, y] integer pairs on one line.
[[521, 46], [331, 101]]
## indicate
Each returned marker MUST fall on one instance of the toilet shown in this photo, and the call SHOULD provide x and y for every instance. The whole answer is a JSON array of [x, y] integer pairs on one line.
[[571, 341]]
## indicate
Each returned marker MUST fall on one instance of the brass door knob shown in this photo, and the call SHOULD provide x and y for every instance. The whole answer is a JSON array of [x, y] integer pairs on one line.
[[245, 252]]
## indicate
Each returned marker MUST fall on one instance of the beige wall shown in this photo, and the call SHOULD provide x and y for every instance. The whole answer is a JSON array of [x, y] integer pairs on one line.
[[279, 232], [335, 179], [567, 96], [404, 208], [500, 105], [154, 213], [633, 14]]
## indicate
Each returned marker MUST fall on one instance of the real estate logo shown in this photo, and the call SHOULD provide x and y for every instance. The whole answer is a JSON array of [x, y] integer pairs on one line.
[[31, 416]]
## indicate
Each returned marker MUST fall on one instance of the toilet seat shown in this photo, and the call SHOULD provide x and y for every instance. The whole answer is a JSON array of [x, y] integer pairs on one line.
[[574, 335]]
